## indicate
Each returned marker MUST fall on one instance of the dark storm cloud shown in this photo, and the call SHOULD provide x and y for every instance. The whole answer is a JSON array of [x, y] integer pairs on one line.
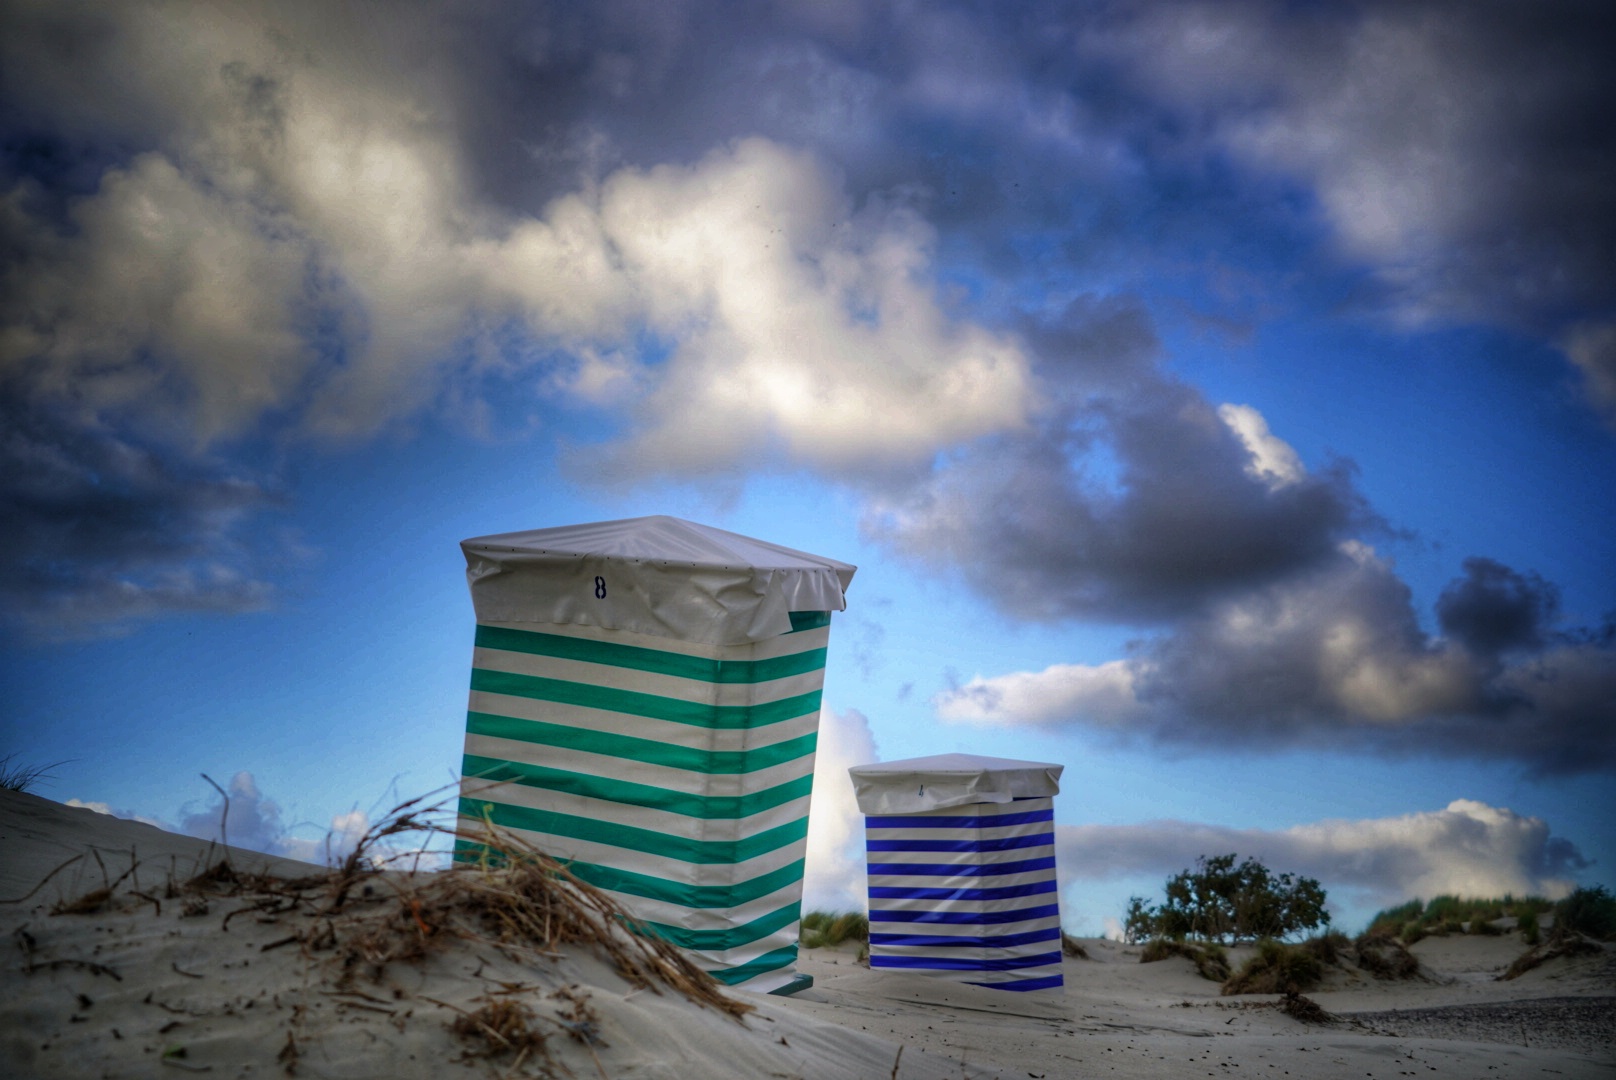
[[1493, 608], [1135, 500], [1336, 659], [99, 531], [1463, 149]]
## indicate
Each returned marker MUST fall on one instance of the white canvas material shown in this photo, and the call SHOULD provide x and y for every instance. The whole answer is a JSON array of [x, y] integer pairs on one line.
[[941, 780], [963, 890], [661, 576], [675, 774]]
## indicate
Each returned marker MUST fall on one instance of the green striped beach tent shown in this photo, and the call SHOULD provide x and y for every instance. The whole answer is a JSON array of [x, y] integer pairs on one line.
[[645, 706], [961, 863]]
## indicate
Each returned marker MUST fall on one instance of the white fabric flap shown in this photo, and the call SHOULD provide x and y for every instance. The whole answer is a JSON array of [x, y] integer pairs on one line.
[[652, 575], [945, 780]]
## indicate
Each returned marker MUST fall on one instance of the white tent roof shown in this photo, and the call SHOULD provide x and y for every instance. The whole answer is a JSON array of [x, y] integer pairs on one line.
[[651, 575], [944, 780]]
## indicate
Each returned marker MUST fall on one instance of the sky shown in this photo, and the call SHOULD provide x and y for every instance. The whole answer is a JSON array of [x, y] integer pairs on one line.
[[1217, 399]]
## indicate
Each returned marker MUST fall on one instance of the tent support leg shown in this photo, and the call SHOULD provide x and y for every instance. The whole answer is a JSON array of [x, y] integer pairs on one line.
[[797, 984]]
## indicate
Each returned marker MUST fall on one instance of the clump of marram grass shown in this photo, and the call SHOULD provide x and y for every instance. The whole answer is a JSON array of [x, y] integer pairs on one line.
[[1416, 920], [1277, 968], [1590, 911], [1210, 960], [1391, 921], [18, 777], [821, 929], [1526, 923]]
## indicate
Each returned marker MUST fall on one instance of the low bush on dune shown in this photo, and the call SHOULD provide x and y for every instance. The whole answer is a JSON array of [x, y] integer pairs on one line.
[[1443, 915], [1227, 902], [1385, 956], [1590, 911], [1280, 968], [1563, 943], [823, 928], [1329, 948], [1277, 969], [1390, 923], [1210, 960]]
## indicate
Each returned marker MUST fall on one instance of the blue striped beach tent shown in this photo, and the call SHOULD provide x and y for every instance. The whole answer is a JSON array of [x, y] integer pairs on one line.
[[961, 854], [645, 706]]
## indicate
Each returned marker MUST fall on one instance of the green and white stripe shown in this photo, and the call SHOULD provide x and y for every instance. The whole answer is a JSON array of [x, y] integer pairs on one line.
[[674, 774]]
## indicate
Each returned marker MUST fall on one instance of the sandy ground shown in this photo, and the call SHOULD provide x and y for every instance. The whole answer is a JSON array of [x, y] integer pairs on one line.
[[149, 989], [1118, 1017]]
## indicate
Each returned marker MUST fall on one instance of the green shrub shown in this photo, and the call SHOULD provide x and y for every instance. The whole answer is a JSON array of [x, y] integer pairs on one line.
[[1483, 926], [1392, 920], [1590, 911], [1526, 923], [1224, 901], [1413, 931], [1277, 969]]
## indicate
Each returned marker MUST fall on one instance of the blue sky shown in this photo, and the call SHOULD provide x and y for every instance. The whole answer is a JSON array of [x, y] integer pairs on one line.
[[1217, 399]]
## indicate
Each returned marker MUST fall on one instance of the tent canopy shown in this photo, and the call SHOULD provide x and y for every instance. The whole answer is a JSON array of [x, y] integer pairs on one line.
[[659, 575], [916, 785]]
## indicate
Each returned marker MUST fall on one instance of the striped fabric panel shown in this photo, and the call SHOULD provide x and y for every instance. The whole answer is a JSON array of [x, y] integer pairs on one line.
[[967, 893], [674, 775]]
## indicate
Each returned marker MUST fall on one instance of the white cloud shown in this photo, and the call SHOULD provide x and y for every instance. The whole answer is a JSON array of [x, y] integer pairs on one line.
[[1468, 849], [168, 296], [1101, 694], [1273, 460], [803, 324], [344, 835], [252, 820], [104, 808], [834, 875]]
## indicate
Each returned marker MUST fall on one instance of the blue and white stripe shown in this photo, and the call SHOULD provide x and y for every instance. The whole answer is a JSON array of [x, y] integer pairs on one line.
[[967, 893]]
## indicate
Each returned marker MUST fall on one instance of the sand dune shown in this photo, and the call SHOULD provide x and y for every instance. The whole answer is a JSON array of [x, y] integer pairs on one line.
[[233, 982]]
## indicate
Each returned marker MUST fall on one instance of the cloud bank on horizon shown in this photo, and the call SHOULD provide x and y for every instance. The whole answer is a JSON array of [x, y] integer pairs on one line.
[[1466, 849], [909, 253]]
